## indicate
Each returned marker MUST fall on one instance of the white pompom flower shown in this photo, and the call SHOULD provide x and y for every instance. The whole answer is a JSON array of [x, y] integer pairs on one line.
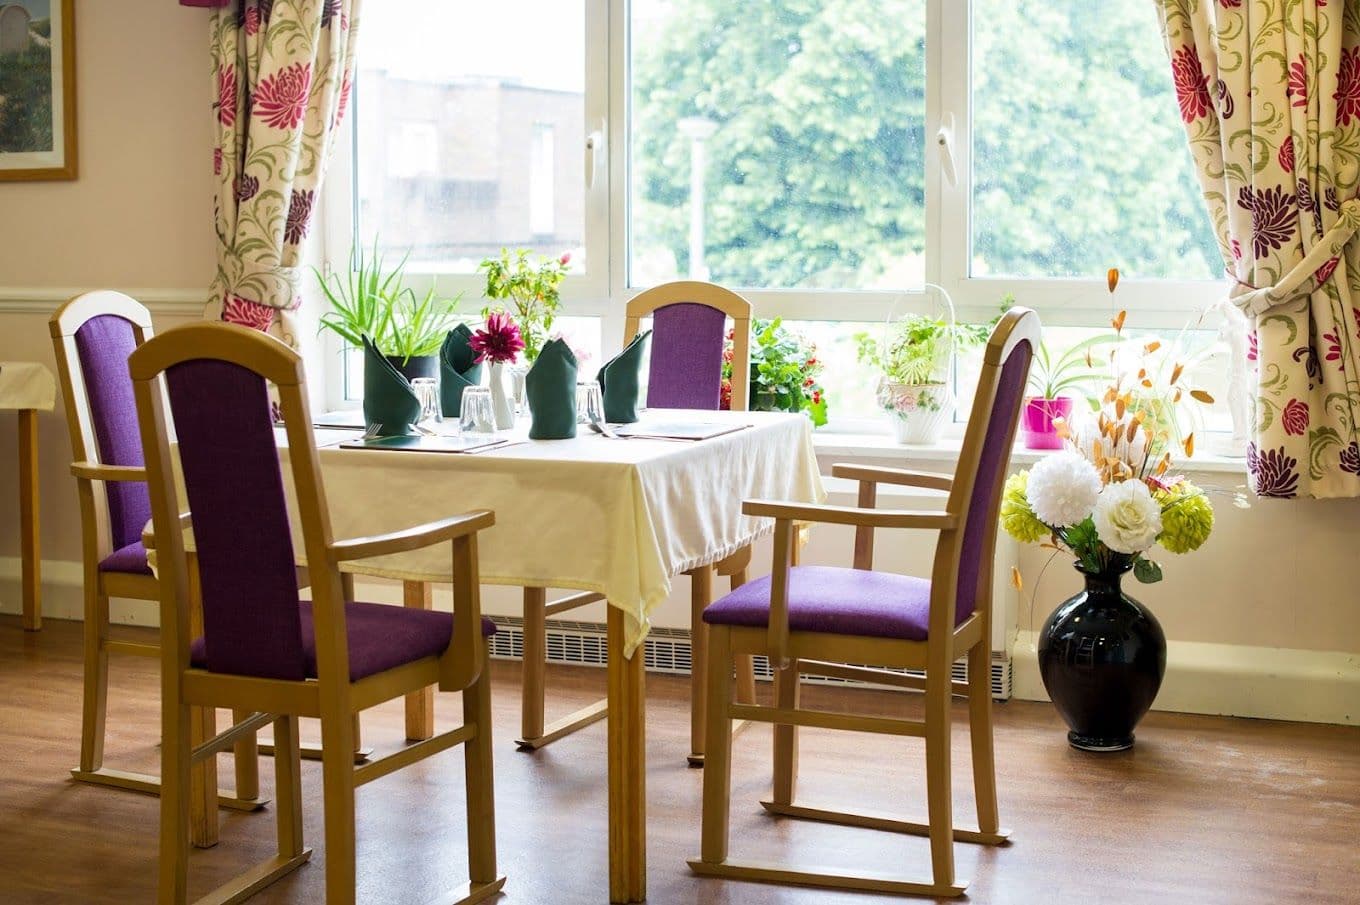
[[1127, 518], [1063, 489]]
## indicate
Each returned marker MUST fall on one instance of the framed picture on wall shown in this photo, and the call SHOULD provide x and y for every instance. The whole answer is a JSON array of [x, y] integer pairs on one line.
[[37, 89]]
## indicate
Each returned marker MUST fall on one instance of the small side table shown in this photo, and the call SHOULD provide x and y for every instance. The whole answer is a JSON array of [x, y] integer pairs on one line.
[[28, 387]]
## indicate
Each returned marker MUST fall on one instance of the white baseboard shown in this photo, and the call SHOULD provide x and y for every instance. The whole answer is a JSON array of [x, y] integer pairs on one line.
[[1232, 680], [1221, 679]]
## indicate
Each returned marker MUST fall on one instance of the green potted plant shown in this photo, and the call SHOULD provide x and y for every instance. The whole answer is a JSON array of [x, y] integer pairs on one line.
[[1051, 381], [531, 290], [366, 300], [915, 361], [784, 369]]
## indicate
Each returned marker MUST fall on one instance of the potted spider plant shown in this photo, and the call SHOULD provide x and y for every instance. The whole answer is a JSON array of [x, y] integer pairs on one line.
[[915, 363], [1052, 381], [367, 300]]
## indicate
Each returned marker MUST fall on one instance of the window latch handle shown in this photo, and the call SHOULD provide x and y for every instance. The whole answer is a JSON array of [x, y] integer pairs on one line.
[[595, 153], [945, 139]]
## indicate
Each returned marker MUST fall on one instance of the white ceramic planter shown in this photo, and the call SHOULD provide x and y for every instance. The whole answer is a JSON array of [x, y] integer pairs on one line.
[[918, 412]]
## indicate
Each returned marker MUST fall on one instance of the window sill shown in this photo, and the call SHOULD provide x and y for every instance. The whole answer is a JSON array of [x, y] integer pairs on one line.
[[875, 448]]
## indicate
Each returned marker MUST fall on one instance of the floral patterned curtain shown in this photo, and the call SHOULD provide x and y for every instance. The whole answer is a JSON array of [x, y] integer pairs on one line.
[[1269, 91], [281, 78]]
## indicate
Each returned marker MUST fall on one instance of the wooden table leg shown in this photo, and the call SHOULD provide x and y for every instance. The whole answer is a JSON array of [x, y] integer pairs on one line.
[[419, 704], [700, 595], [627, 769], [28, 519]]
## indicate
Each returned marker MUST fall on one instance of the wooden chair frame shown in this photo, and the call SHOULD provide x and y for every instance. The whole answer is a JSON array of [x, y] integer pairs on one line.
[[332, 698], [793, 653], [537, 609], [92, 476]]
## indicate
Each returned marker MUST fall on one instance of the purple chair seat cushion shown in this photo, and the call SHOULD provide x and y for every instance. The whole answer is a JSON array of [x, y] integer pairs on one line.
[[130, 559], [380, 638], [834, 601]]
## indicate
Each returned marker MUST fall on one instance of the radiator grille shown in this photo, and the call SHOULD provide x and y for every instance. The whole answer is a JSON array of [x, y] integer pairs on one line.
[[668, 651]]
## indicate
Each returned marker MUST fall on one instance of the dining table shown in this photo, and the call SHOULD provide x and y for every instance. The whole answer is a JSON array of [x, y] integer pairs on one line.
[[618, 516], [28, 387]]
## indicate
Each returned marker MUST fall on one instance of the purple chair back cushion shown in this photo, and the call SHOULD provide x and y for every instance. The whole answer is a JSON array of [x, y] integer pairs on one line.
[[983, 506], [103, 344], [251, 620], [687, 349]]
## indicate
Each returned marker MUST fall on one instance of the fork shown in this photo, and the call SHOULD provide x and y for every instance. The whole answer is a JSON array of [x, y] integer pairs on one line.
[[373, 430], [600, 427]]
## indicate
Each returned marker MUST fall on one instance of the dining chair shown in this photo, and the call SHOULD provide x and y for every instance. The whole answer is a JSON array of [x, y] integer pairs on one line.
[[92, 335], [689, 331], [265, 652], [867, 625]]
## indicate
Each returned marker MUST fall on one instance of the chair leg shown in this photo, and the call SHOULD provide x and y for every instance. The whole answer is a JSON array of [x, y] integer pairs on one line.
[[96, 682], [337, 781], [246, 755], [700, 596], [480, 783], [532, 688], [980, 733], [938, 790], [288, 785], [175, 789], [787, 693], [202, 780], [746, 664], [718, 763]]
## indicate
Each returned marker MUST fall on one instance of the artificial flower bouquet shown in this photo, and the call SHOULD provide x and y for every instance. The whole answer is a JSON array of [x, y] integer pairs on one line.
[[1109, 496]]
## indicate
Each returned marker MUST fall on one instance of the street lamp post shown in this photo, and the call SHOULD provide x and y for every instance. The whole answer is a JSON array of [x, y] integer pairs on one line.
[[697, 129]]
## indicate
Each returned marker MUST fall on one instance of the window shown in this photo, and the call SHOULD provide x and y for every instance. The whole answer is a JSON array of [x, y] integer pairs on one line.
[[831, 159]]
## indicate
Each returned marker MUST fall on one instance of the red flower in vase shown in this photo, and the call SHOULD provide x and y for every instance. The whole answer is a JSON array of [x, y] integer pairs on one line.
[[500, 341]]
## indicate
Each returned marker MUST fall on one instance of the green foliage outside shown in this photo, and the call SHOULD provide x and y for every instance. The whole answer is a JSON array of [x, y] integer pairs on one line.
[[816, 174], [26, 100]]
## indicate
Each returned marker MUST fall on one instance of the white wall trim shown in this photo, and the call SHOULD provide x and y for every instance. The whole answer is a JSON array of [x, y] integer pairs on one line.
[[182, 302], [1234, 680]]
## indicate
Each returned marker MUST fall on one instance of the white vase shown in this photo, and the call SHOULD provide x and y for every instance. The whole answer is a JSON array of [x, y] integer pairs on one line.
[[501, 402], [918, 412]]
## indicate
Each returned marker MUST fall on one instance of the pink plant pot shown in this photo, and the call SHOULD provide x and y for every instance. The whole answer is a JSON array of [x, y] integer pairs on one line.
[[1036, 421]]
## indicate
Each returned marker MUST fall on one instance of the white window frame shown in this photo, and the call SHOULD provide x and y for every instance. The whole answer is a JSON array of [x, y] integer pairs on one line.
[[604, 291]]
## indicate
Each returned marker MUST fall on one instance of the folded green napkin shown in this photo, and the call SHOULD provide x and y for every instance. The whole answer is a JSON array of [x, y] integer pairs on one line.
[[620, 379], [388, 397], [458, 370], [550, 387]]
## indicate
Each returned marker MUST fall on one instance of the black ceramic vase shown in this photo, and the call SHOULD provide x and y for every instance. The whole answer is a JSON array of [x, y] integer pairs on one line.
[[1102, 656]]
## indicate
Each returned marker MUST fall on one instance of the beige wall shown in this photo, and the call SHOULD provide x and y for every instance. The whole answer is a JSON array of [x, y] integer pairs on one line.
[[1277, 575]]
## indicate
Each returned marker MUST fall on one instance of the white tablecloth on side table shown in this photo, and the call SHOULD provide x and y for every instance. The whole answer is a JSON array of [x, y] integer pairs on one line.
[[618, 517], [27, 385]]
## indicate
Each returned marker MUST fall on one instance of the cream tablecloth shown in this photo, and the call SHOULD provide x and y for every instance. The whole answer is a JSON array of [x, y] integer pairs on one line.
[[619, 517], [27, 385]]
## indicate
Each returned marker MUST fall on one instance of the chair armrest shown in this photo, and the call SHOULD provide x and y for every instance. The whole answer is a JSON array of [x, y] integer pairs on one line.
[[412, 538], [850, 515], [93, 471], [901, 476], [149, 532]]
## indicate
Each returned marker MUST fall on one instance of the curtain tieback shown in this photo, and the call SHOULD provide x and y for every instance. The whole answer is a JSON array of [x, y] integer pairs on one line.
[[1301, 280], [268, 284]]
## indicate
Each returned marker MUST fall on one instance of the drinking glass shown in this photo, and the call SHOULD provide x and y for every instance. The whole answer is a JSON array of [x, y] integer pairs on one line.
[[427, 391], [589, 403], [478, 417]]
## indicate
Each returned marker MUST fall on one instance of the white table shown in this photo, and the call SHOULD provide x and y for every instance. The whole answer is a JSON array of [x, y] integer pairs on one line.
[[619, 517], [28, 387]]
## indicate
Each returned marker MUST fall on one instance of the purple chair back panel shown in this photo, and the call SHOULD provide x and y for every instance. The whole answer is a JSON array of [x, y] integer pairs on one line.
[[982, 514], [251, 624], [687, 350], [103, 344]]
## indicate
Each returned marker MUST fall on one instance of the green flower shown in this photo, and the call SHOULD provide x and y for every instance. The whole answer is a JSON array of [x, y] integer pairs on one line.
[[1187, 517], [1017, 518]]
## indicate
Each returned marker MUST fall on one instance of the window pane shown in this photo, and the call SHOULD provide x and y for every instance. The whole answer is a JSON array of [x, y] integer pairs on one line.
[[466, 145], [795, 128], [1079, 156]]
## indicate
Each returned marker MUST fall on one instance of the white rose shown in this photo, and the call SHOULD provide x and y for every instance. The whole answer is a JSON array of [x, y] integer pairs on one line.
[[1127, 518], [1062, 489]]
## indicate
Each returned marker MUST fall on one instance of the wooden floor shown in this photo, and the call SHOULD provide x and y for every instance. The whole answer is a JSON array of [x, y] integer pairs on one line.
[[1204, 810]]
